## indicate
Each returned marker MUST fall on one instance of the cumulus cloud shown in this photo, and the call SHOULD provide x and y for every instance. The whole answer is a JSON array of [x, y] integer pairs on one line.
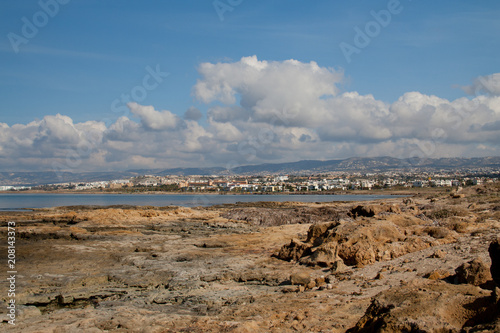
[[489, 85], [38, 144], [263, 111], [193, 114], [152, 119], [267, 88]]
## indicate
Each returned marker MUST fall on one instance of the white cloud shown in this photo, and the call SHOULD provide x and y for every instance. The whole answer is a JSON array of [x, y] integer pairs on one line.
[[265, 88], [225, 132], [489, 85], [58, 129], [123, 129], [260, 111], [152, 119]]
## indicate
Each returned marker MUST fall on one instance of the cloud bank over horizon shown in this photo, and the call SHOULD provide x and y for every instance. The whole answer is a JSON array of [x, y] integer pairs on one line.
[[263, 112]]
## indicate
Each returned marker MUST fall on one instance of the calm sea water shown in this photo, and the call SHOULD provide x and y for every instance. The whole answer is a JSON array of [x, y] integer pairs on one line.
[[41, 200]]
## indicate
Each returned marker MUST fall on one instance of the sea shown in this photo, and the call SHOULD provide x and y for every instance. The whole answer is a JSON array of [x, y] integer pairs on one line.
[[20, 201]]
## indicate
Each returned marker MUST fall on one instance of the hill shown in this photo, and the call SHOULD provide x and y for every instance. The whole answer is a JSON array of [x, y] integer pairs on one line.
[[354, 164]]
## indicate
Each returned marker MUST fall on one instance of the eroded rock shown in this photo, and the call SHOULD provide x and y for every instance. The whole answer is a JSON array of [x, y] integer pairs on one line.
[[294, 251], [474, 272], [427, 307], [365, 240], [301, 278]]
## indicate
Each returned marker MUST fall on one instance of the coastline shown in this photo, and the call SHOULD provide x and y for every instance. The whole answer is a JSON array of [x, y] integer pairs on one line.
[[405, 192], [24, 200]]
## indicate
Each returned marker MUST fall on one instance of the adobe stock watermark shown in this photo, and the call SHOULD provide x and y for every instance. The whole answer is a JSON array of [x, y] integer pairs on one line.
[[11, 272], [91, 141], [223, 6], [30, 28], [371, 29]]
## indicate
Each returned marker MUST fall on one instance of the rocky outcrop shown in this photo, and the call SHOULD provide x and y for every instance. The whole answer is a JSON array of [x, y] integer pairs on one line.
[[365, 240], [427, 307], [281, 216], [439, 306]]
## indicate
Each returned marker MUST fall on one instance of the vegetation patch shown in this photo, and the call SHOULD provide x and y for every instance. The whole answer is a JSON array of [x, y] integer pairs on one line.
[[445, 212]]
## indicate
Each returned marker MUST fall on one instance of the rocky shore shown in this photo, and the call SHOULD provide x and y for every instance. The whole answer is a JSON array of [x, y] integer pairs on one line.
[[429, 263]]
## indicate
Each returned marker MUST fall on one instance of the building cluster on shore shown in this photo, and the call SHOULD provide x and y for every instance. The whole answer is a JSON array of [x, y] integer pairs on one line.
[[273, 183]]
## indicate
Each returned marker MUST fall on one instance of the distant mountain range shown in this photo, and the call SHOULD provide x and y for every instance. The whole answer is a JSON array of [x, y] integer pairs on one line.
[[371, 164], [354, 164]]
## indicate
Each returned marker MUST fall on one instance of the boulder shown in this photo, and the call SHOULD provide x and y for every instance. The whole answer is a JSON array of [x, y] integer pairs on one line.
[[294, 251], [474, 272], [438, 274], [301, 278], [440, 254], [494, 251], [358, 254], [338, 266], [320, 281], [323, 256]]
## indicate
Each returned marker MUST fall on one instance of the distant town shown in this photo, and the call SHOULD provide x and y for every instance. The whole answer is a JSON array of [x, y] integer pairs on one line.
[[335, 181]]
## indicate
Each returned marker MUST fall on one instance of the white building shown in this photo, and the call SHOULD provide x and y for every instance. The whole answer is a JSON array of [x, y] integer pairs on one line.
[[367, 184], [148, 182], [477, 181]]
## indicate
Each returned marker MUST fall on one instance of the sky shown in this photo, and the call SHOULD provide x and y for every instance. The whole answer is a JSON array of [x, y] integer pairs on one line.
[[89, 85]]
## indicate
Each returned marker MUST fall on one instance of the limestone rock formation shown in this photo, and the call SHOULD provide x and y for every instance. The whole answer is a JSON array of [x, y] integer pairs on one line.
[[293, 251], [434, 306], [365, 240], [438, 306], [474, 272]]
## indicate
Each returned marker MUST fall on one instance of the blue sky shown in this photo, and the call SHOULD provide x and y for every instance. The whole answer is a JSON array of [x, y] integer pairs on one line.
[[91, 52]]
